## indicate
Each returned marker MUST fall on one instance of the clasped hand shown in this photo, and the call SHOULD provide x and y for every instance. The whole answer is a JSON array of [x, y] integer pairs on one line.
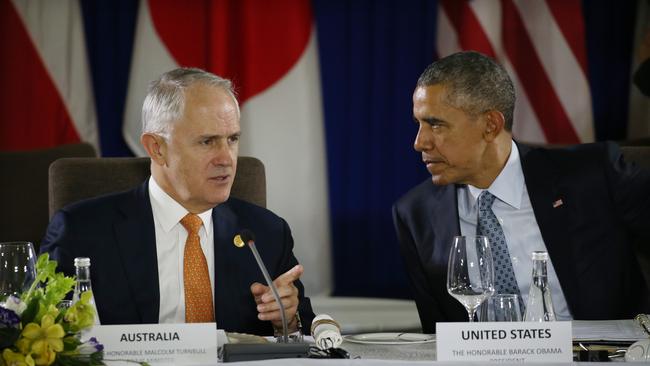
[[268, 308]]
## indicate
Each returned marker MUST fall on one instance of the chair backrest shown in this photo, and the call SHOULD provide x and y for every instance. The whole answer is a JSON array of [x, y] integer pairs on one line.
[[638, 154], [24, 213], [75, 179], [643, 141]]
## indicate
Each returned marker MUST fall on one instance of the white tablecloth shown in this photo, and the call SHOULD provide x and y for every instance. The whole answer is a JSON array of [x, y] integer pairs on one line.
[[367, 315]]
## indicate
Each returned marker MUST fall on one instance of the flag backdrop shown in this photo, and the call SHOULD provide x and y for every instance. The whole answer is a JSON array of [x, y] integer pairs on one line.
[[325, 88]]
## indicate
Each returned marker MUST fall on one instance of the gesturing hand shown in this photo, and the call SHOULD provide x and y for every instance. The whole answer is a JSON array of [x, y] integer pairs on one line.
[[269, 309]]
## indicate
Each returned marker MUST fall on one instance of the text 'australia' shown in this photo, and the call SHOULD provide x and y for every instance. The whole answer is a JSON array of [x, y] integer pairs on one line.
[[149, 337]]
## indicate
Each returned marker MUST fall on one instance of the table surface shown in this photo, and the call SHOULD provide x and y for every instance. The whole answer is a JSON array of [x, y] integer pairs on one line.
[[369, 315], [413, 354]]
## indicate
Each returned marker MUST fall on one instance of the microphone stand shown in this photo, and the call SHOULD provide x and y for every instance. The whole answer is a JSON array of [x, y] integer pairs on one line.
[[251, 244], [252, 352]]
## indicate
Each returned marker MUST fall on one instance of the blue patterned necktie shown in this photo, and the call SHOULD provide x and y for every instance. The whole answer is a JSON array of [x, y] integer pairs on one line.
[[488, 225]]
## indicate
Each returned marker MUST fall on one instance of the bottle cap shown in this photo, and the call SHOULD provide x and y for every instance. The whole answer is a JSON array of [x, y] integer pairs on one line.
[[82, 262], [539, 255]]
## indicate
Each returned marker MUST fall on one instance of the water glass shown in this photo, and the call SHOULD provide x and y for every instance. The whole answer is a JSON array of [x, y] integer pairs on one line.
[[501, 308], [470, 272], [17, 267]]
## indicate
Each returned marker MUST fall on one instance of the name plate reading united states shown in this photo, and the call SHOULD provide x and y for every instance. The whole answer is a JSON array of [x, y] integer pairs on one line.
[[504, 342], [175, 344]]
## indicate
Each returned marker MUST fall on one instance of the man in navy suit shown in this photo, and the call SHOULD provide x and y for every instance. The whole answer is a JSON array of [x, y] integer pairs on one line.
[[584, 204], [163, 252]]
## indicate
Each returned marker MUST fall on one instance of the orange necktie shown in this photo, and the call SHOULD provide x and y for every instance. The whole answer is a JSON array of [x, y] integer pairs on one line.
[[196, 278]]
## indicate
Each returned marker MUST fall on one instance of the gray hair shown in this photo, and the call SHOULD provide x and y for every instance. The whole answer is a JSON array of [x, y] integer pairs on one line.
[[165, 101], [474, 83]]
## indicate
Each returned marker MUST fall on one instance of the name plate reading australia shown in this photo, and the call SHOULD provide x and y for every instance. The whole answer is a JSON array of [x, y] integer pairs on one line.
[[176, 344], [504, 342]]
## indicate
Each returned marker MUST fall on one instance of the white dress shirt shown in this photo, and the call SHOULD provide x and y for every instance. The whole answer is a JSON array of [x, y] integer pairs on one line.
[[514, 211], [170, 245]]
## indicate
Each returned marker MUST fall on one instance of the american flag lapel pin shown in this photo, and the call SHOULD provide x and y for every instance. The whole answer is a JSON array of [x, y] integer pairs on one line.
[[557, 203]]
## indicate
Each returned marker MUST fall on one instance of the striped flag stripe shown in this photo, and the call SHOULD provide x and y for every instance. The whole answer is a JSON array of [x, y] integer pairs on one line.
[[526, 126], [545, 102], [28, 96], [563, 69], [462, 18], [547, 68], [56, 30], [568, 16], [446, 37], [488, 15]]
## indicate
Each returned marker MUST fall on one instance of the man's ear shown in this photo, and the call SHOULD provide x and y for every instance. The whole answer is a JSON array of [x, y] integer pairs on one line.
[[155, 146], [494, 124]]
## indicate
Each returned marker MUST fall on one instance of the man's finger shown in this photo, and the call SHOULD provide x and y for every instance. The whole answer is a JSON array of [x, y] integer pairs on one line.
[[257, 289], [283, 291], [288, 303], [275, 315], [289, 276]]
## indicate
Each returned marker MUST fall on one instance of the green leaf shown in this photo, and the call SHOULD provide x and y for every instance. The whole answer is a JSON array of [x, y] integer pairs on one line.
[[30, 312], [45, 268], [58, 285], [94, 359], [70, 343]]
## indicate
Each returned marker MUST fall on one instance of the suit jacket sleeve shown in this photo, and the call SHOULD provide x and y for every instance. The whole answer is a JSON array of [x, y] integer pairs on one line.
[[57, 243], [428, 308], [288, 262], [630, 189]]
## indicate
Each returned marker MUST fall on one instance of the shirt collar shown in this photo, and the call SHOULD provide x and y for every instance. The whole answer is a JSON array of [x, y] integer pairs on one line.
[[169, 212], [509, 184]]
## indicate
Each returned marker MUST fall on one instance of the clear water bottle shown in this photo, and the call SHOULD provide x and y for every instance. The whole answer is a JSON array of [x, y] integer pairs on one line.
[[540, 305], [82, 268]]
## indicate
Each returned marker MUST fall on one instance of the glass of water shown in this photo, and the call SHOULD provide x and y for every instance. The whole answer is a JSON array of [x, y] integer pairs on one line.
[[17, 267], [470, 272], [501, 308]]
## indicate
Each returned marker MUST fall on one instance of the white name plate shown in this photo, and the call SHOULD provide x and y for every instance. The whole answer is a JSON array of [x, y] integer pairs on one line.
[[177, 344], [504, 342]]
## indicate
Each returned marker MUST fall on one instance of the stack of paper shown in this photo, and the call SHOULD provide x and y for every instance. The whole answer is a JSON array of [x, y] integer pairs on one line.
[[608, 330]]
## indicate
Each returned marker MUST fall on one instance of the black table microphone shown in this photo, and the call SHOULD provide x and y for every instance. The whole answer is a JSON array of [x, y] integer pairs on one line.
[[246, 237]]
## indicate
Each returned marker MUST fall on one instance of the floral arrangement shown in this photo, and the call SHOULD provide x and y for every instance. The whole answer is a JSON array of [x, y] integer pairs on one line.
[[35, 331]]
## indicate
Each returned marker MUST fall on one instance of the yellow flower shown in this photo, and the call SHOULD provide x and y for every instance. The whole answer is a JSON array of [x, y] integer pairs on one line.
[[44, 354], [16, 359], [46, 340], [82, 314]]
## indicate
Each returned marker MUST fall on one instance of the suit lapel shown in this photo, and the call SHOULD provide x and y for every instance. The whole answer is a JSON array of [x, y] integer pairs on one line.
[[446, 224], [225, 228], [136, 243], [550, 206]]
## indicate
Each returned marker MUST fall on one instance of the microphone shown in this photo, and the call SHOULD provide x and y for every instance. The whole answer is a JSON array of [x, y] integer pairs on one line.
[[326, 332], [246, 237]]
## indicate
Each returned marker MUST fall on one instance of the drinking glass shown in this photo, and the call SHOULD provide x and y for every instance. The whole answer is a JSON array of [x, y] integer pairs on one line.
[[470, 273], [501, 308], [17, 267]]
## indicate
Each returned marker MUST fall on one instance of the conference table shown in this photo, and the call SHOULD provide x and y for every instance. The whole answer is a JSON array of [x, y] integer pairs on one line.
[[425, 353], [371, 355], [363, 315]]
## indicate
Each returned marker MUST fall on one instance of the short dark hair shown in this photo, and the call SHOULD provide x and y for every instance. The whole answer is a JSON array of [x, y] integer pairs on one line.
[[474, 83]]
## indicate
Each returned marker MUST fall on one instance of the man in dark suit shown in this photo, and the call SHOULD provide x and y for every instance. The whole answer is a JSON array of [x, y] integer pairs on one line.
[[582, 204], [163, 252]]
